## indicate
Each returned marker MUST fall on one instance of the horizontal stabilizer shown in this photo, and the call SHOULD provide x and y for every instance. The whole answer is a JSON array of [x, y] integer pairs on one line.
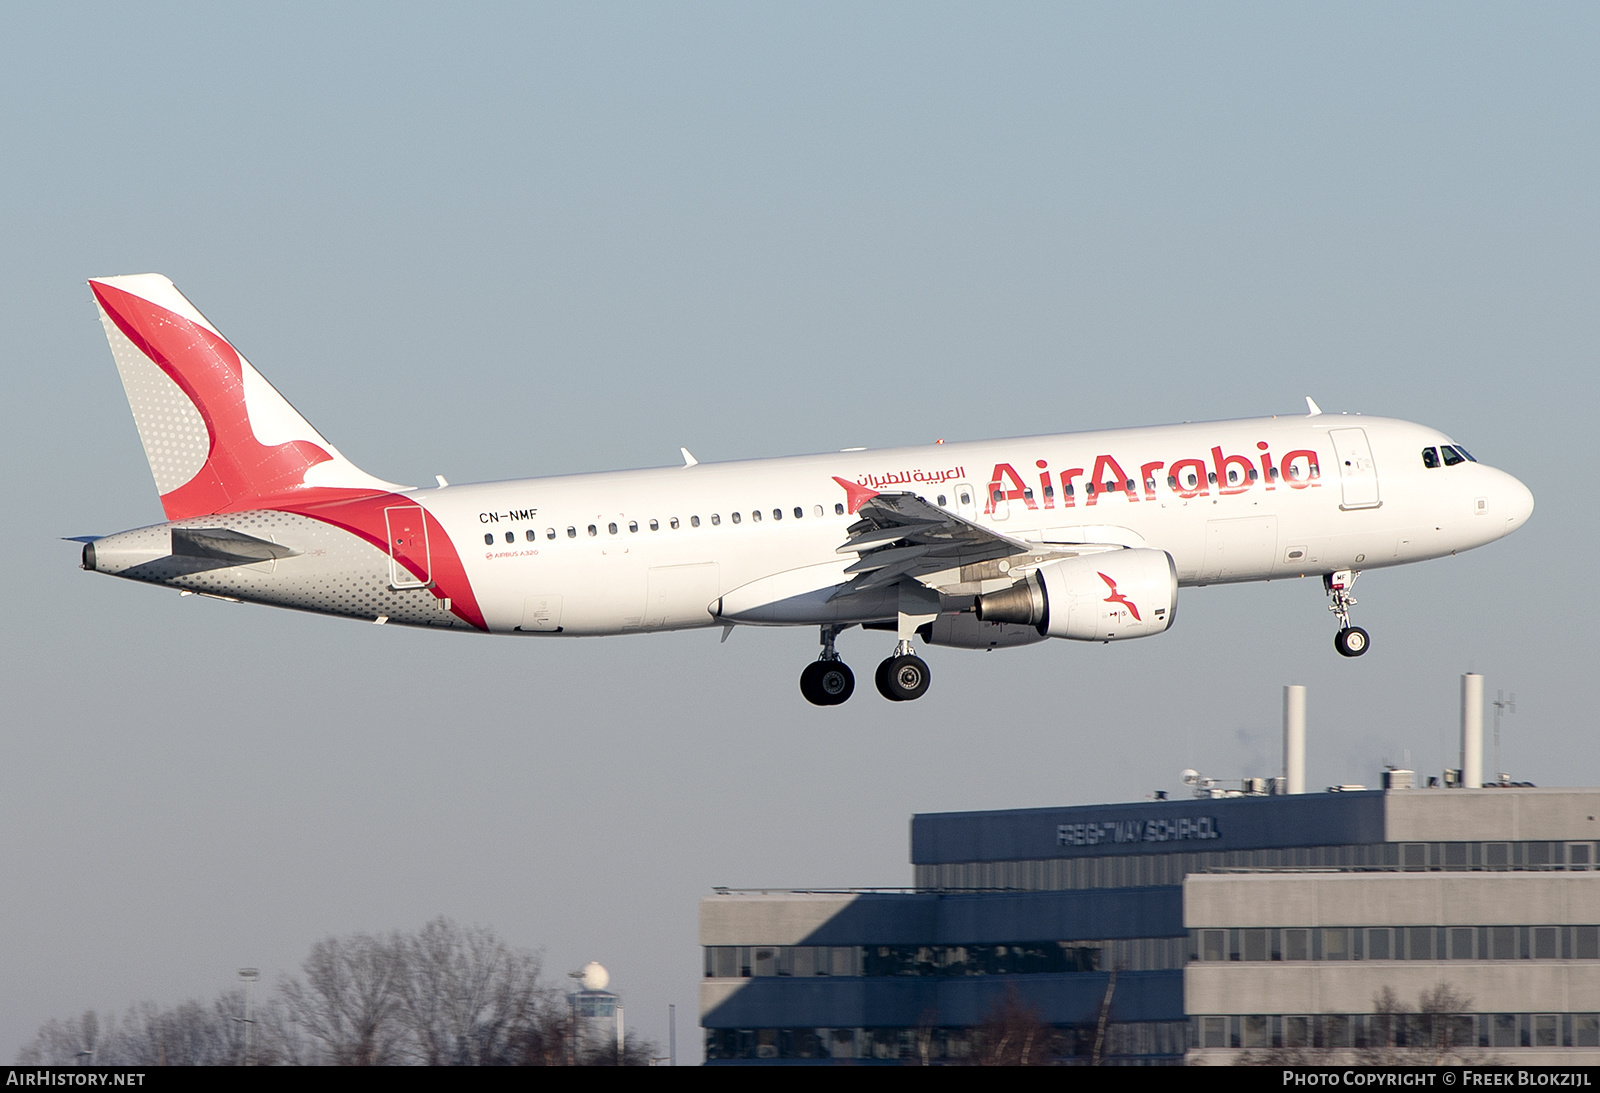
[[225, 545]]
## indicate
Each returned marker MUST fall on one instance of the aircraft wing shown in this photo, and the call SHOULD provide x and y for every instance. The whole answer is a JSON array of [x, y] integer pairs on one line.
[[900, 535]]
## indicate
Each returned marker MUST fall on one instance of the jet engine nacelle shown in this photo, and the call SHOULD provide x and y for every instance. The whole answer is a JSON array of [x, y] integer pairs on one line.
[[1097, 597], [967, 631]]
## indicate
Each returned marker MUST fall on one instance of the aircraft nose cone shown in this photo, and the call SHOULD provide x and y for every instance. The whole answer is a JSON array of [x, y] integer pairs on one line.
[[1518, 504]]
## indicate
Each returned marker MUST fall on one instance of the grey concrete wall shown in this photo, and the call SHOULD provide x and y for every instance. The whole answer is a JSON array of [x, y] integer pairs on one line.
[[788, 918], [1390, 899], [1520, 986], [1484, 815]]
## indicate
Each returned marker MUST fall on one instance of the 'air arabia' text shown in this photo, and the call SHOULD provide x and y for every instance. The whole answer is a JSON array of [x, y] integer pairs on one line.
[[1223, 473]]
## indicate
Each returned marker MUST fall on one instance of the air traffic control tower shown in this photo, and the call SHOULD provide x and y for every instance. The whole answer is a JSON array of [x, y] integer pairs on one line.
[[1345, 925]]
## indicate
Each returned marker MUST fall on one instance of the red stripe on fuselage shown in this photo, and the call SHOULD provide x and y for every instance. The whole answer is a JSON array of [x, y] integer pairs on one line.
[[363, 516]]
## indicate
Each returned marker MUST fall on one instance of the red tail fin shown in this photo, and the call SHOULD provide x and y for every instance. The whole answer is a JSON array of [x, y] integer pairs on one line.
[[219, 438]]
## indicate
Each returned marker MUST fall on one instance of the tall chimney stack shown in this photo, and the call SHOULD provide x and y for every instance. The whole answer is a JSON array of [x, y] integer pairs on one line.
[[1294, 737], [1472, 731]]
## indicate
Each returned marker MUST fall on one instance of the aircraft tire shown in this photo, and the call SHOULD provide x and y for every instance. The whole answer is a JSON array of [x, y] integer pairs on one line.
[[1352, 641], [827, 682], [902, 679]]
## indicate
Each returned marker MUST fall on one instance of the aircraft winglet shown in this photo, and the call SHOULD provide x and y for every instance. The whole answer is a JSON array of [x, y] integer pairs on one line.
[[688, 460], [1312, 409]]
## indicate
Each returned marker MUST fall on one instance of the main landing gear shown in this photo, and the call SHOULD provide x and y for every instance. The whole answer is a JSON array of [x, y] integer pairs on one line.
[[903, 676], [1350, 641], [828, 681]]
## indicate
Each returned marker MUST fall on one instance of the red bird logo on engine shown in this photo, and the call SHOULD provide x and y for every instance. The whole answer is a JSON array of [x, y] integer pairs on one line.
[[1118, 597]]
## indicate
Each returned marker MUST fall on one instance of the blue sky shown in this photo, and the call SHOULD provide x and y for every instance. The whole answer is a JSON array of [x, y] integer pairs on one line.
[[522, 240]]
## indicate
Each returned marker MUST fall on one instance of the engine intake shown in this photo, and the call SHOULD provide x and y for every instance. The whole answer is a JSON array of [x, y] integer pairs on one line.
[[1113, 596]]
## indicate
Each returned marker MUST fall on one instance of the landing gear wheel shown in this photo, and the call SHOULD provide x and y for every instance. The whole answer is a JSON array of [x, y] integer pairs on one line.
[[1352, 641], [902, 678], [827, 682]]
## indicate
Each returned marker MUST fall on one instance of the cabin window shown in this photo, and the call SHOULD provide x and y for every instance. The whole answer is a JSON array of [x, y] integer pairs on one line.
[[633, 526], [1027, 493], [1088, 488], [755, 514], [572, 533], [716, 518], [941, 501], [673, 523], [1233, 477], [998, 495], [1068, 490], [488, 539], [1172, 481], [838, 509], [655, 525], [1049, 493], [511, 536], [816, 510], [737, 518], [1193, 481], [1430, 458], [593, 531], [532, 535], [694, 521], [549, 533], [612, 528], [1272, 474], [777, 514], [799, 512]]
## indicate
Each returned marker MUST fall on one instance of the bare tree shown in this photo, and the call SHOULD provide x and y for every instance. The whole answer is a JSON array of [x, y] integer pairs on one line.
[[1438, 1032], [65, 1043], [1012, 1034], [446, 995], [349, 1001], [465, 995]]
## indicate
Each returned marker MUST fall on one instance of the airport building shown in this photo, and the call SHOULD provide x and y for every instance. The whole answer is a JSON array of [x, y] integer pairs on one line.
[[1401, 923]]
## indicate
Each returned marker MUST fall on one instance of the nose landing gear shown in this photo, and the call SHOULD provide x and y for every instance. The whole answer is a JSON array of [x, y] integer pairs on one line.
[[1350, 641]]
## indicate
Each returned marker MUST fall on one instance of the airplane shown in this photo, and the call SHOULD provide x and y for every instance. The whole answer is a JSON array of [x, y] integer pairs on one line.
[[974, 545]]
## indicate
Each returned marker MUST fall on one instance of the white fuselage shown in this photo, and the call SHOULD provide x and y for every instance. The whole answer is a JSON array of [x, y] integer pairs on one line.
[[654, 549]]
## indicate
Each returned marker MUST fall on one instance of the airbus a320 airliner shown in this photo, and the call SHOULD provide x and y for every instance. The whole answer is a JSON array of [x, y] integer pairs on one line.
[[974, 545]]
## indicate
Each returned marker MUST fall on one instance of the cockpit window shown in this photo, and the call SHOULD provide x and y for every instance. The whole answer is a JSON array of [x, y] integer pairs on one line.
[[1468, 455], [1430, 458], [1451, 456]]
